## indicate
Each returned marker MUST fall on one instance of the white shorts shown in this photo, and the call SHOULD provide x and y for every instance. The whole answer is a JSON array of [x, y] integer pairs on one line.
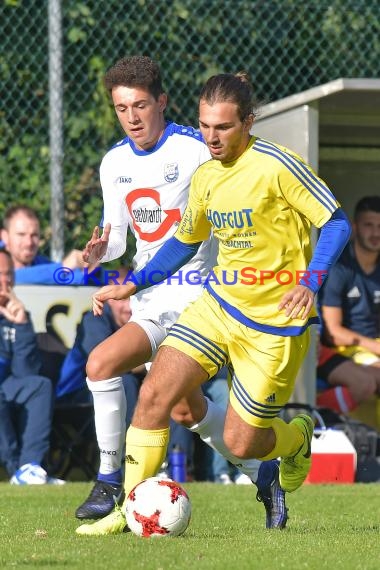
[[156, 309], [163, 303], [154, 331]]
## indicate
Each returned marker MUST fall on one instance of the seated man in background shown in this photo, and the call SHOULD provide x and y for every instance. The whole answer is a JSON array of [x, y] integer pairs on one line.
[[350, 297], [343, 385], [21, 236], [25, 396]]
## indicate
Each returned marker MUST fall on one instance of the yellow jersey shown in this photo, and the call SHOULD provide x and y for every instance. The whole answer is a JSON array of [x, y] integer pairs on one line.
[[260, 208]]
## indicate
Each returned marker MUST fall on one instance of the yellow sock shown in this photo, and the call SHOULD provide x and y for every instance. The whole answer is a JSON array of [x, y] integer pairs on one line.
[[288, 440], [145, 452]]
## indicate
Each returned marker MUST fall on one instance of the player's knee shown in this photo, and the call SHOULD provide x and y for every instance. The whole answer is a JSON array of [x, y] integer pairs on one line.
[[151, 398], [257, 445], [182, 415], [95, 368], [235, 445]]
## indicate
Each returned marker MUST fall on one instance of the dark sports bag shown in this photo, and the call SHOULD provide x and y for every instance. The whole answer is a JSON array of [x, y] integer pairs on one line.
[[366, 441], [364, 438]]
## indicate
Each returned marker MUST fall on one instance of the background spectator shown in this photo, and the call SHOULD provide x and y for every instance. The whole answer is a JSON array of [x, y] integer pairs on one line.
[[21, 236], [25, 396], [342, 384], [350, 298]]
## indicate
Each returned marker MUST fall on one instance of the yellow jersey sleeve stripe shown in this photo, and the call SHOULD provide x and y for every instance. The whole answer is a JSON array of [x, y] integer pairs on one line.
[[305, 175]]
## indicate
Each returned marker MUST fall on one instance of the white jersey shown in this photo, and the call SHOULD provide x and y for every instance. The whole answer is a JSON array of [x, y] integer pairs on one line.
[[147, 192]]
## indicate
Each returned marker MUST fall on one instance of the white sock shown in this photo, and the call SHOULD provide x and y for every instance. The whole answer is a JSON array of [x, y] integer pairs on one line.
[[110, 406], [210, 430]]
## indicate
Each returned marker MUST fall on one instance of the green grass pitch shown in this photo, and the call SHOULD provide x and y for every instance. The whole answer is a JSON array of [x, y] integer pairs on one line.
[[330, 527]]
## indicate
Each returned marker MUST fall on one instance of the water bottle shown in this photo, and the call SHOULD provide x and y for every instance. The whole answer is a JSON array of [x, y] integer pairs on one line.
[[177, 464]]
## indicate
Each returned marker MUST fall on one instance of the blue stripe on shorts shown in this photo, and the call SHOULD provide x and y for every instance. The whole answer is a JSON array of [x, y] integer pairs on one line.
[[211, 350]]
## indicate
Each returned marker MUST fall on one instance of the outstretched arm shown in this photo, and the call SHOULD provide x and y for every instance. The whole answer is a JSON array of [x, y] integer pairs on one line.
[[172, 255], [96, 248]]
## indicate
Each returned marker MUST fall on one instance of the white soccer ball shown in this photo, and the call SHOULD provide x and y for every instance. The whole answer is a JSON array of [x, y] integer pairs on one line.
[[158, 507]]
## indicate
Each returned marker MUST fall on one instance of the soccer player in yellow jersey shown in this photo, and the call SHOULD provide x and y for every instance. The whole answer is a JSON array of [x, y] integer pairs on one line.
[[260, 200]]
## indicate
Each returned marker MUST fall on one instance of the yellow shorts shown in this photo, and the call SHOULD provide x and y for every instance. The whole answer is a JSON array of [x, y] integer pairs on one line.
[[265, 366], [359, 354]]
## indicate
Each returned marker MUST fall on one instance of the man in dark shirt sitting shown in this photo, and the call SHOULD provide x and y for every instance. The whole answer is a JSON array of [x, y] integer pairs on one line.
[[25, 396], [350, 297]]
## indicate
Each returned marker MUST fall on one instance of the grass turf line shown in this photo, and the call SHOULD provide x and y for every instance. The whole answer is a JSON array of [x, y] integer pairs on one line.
[[332, 526]]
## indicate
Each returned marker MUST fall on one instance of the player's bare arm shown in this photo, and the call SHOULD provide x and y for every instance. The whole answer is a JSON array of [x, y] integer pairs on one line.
[[297, 302], [341, 335], [117, 292], [96, 247]]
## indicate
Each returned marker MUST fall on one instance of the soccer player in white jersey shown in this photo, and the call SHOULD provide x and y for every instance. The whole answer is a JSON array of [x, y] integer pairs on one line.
[[256, 309], [145, 180]]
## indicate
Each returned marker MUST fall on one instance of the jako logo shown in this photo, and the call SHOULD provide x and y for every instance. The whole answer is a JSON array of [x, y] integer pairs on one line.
[[107, 452], [124, 180]]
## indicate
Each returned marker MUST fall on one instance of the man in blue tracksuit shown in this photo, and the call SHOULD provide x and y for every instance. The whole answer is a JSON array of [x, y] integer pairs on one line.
[[20, 234], [25, 396]]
